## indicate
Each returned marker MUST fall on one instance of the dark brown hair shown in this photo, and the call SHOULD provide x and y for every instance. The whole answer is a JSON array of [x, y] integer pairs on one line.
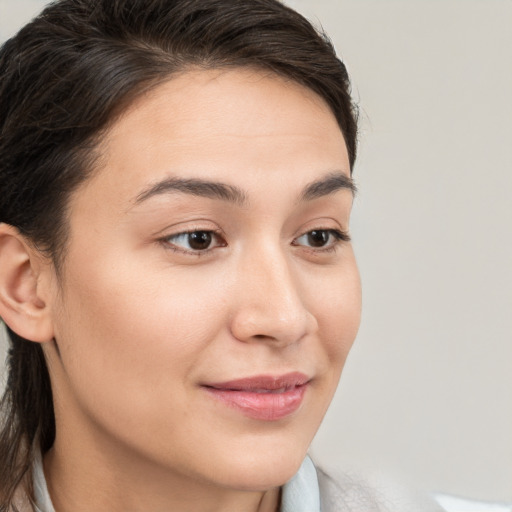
[[63, 80]]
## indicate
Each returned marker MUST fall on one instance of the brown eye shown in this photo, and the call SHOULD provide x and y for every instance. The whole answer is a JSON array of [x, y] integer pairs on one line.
[[195, 241], [318, 238], [199, 240], [321, 238]]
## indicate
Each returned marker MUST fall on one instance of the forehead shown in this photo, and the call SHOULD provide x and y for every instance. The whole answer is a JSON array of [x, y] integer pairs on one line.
[[231, 125]]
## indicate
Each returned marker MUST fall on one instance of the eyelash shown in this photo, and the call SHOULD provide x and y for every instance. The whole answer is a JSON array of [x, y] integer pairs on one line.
[[339, 235], [198, 253]]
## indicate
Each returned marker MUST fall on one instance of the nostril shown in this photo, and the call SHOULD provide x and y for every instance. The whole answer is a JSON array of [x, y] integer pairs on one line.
[[278, 319]]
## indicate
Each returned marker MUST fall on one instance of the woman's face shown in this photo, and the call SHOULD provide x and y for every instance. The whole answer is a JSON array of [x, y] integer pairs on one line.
[[209, 296]]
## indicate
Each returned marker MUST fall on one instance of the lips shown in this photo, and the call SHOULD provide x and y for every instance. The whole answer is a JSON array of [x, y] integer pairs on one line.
[[263, 397]]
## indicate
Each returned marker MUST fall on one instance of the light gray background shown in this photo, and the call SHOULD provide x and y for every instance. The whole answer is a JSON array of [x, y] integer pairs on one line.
[[427, 392]]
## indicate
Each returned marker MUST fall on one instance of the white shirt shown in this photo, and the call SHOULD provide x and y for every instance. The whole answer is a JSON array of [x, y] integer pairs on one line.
[[300, 494]]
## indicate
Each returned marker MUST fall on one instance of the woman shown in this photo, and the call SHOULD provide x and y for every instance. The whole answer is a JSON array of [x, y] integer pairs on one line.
[[176, 273]]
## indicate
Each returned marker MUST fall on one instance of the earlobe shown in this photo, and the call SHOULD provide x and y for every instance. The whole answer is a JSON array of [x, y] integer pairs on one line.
[[22, 306]]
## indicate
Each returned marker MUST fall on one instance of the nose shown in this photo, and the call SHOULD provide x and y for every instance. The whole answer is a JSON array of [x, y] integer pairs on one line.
[[270, 302]]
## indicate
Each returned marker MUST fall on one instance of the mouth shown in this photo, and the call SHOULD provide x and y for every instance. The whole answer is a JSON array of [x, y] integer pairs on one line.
[[263, 397]]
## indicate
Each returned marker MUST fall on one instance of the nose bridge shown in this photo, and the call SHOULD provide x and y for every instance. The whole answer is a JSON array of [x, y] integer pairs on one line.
[[270, 305]]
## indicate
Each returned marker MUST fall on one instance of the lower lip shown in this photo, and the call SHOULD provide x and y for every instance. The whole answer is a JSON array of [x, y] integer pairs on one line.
[[262, 406]]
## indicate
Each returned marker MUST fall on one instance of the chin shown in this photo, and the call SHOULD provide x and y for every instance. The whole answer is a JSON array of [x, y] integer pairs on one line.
[[263, 471]]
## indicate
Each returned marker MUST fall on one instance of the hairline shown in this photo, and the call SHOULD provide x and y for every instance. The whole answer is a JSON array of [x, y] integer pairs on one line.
[[97, 143]]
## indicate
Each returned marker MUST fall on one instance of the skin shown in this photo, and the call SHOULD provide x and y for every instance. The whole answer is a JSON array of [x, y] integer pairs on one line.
[[141, 320]]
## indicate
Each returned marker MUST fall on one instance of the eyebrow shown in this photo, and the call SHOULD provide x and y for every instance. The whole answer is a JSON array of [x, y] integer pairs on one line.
[[327, 185], [195, 187], [324, 186]]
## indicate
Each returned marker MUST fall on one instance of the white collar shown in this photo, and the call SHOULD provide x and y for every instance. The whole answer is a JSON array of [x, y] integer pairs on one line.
[[42, 496], [300, 494]]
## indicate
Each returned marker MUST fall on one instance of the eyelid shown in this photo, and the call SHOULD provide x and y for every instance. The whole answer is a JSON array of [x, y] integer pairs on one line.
[[341, 236], [217, 234]]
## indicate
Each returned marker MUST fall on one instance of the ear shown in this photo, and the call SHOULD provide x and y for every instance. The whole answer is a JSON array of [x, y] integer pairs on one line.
[[22, 297]]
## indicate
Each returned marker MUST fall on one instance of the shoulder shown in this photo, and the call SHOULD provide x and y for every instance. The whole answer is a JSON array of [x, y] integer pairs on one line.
[[21, 500], [346, 493]]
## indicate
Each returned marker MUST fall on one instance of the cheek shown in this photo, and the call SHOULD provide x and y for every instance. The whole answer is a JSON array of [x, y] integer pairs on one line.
[[128, 337], [338, 311]]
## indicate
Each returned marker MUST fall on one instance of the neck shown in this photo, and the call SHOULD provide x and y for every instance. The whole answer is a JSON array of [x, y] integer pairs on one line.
[[90, 468], [95, 480]]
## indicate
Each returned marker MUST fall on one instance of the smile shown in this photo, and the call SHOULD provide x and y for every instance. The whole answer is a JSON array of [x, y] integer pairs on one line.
[[265, 398]]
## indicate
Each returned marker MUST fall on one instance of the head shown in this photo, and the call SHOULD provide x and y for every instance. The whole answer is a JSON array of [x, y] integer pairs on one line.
[[175, 194]]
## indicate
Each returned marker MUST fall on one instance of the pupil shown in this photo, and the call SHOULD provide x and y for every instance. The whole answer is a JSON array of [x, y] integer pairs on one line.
[[318, 238], [200, 240]]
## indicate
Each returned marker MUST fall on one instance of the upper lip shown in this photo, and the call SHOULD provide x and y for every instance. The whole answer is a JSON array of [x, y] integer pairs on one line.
[[262, 382]]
